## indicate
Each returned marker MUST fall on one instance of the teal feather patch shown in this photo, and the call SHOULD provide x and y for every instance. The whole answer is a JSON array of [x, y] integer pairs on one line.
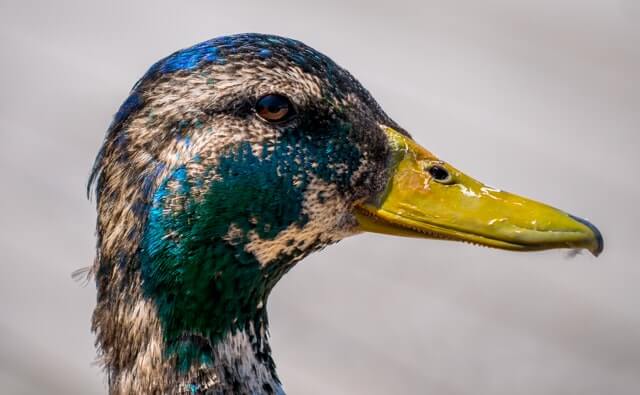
[[194, 263]]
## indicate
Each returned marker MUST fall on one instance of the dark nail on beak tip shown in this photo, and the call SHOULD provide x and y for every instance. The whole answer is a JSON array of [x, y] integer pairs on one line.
[[596, 232]]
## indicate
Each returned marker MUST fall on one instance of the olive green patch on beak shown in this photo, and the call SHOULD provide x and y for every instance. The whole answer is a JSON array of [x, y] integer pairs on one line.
[[428, 198]]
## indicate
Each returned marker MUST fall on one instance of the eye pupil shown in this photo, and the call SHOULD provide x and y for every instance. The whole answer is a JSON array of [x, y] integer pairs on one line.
[[438, 173], [274, 107]]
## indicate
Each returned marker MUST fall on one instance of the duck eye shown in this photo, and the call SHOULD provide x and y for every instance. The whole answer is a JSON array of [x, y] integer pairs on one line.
[[439, 173], [274, 108]]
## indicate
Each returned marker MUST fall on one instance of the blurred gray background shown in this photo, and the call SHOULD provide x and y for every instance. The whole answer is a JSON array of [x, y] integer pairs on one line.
[[538, 97]]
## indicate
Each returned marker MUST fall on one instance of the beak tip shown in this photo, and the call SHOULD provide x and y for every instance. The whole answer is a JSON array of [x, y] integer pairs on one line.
[[597, 248]]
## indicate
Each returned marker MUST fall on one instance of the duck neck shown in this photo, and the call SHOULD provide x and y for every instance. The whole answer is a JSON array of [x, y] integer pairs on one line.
[[144, 353], [210, 303], [239, 363]]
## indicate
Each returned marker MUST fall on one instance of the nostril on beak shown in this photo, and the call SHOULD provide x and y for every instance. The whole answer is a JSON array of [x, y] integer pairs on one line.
[[598, 236]]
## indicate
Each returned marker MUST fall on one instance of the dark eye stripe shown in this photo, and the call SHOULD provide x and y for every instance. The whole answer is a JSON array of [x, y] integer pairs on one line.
[[274, 108]]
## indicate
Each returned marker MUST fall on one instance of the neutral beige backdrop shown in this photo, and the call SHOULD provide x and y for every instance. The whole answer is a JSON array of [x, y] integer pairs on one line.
[[539, 97]]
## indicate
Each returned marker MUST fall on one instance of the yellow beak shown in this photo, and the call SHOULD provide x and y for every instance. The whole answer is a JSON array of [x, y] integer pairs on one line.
[[428, 198]]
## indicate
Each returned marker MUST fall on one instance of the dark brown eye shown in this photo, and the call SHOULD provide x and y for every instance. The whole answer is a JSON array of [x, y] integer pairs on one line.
[[274, 108]]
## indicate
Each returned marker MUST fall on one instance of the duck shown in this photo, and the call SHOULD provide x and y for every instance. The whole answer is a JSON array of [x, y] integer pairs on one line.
[[228, 163]]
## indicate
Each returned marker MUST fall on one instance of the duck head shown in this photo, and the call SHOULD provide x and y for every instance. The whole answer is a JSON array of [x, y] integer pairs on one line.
[[231, 161]]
